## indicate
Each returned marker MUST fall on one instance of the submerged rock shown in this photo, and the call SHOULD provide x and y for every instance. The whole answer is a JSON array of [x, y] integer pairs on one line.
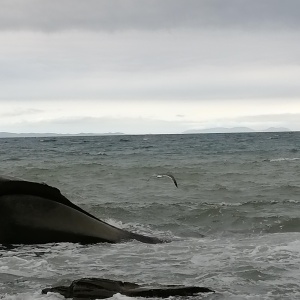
[[98, 288]]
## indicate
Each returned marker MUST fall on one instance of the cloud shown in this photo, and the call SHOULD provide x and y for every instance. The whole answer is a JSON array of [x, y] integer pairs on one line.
[[286, 117], [138, 117], [111, 15], [143, 125], [96, 125], [147, 62], [214, 83], [20, 112], [256, 122]]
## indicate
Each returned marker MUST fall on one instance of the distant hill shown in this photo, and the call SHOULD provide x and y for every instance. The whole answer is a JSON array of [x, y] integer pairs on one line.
[[276, 129], [235, 130], [13, 135]]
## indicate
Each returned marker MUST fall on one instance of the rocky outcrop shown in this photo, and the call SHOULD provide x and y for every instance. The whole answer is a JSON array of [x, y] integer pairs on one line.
[[97, 288], [36, 213]]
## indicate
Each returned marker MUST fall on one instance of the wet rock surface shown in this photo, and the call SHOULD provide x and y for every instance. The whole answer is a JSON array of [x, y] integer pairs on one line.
[[98, 288]]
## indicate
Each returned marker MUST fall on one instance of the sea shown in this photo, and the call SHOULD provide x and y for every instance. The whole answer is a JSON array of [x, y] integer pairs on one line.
[[233, 223]]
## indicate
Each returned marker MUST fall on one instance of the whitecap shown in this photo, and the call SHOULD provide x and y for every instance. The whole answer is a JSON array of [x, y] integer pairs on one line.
[[115, 223], [102, 153], [119, 296], [32, 296], [284, 159]]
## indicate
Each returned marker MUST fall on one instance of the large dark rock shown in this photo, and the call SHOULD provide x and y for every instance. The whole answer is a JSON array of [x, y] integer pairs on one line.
[[97, 288], [35, 213]]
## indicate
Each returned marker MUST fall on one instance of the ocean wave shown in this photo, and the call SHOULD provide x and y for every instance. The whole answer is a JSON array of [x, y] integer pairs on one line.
[[288, 187], [116, 223], [284, 159], [101, 153], [247, 208], [141, 229], [221, 187], [32, 296], [48, 140], [284, 225], [13, 159], [147, 147]]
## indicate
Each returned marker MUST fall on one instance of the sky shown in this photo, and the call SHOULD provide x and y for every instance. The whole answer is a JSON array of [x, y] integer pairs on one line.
[[148, 66]]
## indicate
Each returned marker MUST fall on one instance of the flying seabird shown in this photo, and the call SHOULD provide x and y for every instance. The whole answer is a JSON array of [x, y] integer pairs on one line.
[[167, 175]]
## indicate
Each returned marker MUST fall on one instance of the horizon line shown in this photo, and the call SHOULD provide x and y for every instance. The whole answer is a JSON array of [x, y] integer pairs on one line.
[[52, 134]]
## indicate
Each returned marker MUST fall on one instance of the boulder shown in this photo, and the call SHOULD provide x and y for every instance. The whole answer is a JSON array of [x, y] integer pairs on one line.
[[98, 288]]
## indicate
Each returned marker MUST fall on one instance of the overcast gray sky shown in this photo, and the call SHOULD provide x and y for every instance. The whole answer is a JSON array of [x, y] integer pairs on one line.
[[148, 66]]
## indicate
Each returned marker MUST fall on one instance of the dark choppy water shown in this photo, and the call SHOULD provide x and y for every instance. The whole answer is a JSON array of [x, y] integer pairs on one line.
[[242, 191]]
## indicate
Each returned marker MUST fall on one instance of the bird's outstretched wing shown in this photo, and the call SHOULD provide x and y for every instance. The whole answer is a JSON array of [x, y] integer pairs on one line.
[[169, 176]]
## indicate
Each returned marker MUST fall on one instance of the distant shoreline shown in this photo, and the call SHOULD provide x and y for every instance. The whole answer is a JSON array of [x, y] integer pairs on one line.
[[236, 130], [206, 131], [46, 135]]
